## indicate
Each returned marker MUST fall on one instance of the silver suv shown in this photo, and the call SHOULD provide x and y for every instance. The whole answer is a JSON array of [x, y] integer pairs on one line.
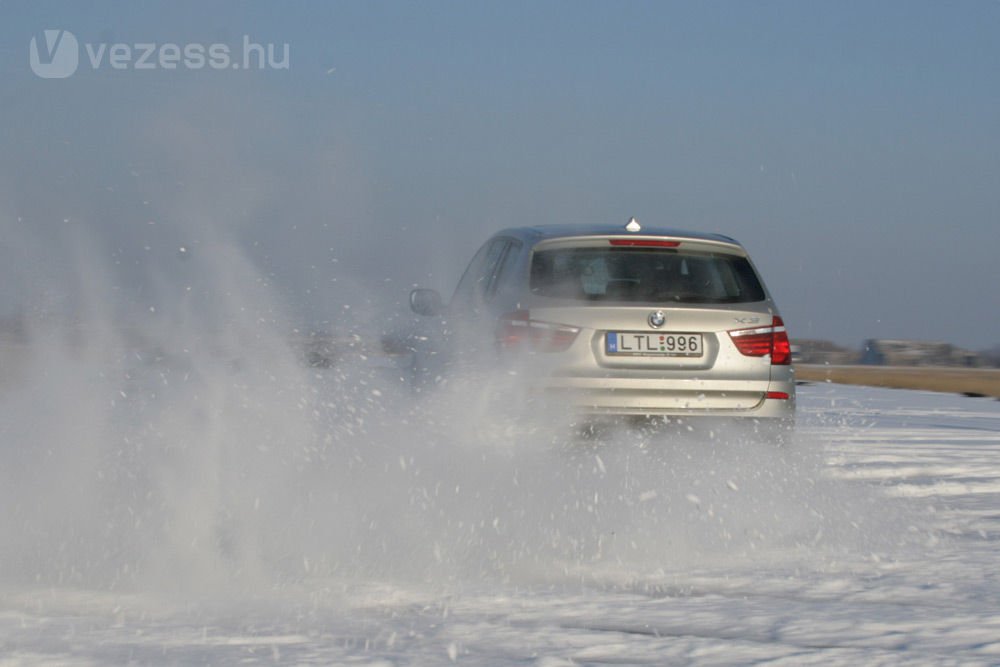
[[623, 321]]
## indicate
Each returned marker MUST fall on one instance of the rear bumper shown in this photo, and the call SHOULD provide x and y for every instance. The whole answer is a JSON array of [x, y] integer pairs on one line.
[[596, 396]]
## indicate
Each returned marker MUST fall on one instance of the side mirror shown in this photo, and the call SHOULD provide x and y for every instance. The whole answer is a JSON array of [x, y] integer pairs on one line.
[[426, 302]]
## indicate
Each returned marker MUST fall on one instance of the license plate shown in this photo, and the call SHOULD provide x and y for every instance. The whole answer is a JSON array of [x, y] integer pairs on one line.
[[628, 344]]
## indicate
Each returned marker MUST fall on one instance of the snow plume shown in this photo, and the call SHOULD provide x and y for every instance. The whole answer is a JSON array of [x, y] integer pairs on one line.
[[159, 428], [187, 447], [135, 435], [454, 490], [153, 397]]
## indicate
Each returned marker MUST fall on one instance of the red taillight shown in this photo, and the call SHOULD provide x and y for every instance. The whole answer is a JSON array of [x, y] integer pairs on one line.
[[518, 330], [779, 395], [781, 355], [763, 341], [649, 243]]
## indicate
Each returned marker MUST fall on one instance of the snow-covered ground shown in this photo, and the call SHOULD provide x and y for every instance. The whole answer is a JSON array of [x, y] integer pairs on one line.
[[872, 541]]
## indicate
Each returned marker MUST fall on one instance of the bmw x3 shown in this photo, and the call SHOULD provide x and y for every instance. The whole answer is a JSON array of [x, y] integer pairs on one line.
[[622, 320]]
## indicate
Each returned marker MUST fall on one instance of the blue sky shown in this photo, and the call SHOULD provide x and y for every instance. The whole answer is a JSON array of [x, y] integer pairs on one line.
[[853, 147]]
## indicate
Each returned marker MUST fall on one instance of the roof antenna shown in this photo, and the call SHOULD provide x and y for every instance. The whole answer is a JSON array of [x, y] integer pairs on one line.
[[633, 225]]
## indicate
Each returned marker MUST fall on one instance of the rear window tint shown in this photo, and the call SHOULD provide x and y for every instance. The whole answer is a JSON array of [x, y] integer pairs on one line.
[[643, 274]]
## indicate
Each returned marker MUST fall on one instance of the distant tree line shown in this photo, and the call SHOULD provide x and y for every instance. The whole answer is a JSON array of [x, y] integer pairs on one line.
[[888, 352]]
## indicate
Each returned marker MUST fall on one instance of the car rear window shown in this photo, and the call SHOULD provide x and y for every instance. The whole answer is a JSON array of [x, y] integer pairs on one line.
[[644, 274]]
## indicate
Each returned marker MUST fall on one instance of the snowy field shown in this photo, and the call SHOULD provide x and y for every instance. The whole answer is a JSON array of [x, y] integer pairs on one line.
[[872, 541]]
